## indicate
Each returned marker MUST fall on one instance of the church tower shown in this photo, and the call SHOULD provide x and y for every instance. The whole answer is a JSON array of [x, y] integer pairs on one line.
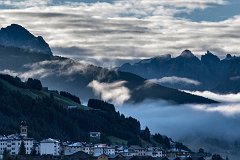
[[23, 129]]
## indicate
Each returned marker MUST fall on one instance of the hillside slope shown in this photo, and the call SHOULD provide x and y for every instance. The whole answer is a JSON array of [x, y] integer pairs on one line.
[[48, 116]]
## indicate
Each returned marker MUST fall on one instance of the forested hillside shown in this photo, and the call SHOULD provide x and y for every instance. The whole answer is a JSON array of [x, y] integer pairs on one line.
[[48, 116]]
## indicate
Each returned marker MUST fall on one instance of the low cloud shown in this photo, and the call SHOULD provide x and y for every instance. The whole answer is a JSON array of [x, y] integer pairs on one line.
[[47, 68], [225, 98], [229, 110], [235, 78], [9, 72], [114, 92], [175, 80], [54, 67], [213, 127]]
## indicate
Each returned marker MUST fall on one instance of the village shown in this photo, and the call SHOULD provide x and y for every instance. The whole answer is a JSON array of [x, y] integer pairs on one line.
[[54, 149]]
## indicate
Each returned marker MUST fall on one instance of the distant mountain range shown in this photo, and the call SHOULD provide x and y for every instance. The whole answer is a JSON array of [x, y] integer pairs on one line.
[[188, 72], [61, 73]]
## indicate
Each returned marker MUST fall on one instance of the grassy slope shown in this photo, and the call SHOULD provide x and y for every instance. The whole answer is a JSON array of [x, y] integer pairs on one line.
[[39, 94]]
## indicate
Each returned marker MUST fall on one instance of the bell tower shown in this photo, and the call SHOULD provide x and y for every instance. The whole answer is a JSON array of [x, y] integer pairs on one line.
[[23, 129]]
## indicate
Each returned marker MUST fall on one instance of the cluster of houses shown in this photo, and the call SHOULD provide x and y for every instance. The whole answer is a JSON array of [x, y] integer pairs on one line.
[[54, 147]]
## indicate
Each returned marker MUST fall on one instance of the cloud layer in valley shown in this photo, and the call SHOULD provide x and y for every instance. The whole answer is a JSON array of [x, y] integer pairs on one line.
[[123, 29], [224, 98], [114, 92], [213, 127]]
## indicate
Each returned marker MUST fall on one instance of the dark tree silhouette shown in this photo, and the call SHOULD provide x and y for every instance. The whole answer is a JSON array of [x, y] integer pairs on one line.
[[145, 134], [216, 157], [70, 96], [22, 149], [33, 151], [201, 150], [34, 84], [6, 154]]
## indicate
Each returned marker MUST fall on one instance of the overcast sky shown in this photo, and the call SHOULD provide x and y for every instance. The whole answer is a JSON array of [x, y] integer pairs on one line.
[[128, 29]]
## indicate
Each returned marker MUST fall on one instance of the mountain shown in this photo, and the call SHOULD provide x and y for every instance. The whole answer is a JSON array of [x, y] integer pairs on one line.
[[87, 81], [48, 115], [188, 72], [66, 74], [17, 36]]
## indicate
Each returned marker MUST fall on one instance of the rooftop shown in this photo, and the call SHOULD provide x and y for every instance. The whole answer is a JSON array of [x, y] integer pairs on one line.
[[49, 140]]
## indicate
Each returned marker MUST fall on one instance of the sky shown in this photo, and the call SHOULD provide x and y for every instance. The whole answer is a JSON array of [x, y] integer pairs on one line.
[[116, 31]]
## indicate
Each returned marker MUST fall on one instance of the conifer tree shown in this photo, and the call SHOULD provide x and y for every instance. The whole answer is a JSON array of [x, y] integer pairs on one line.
[[22, 150]]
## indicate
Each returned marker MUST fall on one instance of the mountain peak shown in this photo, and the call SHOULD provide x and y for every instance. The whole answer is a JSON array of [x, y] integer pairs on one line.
[[16, 26], [229, 56], [187, 53], [209, 57], [16, 31], [164, 56], [17, 36]]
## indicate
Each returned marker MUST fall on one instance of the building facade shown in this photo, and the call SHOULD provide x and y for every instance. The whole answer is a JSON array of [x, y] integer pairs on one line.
[[103, 149], [49, 147], [11, 143]]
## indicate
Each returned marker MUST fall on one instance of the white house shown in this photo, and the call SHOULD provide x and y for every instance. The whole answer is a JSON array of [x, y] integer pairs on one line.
[[73, 148], [88, 148], [95, 135], [174, 152], [154, 152], [12, 142], [110, 151], [128, 153], [103, 149], [136, 150], [50, 147]]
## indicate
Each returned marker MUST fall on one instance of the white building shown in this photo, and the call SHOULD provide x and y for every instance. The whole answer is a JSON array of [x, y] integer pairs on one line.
[[73, 148], [136, 150], [95, 135], [12, 142], [174, 152], [36, 146], [88, 148], [103, 149], [70, 149], [49, 147], [154, 152]]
